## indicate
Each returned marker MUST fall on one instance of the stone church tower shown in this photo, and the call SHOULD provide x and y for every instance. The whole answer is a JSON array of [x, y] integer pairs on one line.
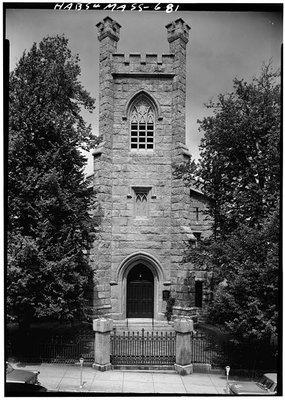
[[148, 215]]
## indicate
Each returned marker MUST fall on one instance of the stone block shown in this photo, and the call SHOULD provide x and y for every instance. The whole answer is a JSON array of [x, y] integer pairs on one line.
[[102, 295], [102, 325], [102, 368], [184, 369], [183, 325]]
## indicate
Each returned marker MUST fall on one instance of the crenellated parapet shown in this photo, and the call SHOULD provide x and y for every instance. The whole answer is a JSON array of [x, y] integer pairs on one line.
[[146, 63]]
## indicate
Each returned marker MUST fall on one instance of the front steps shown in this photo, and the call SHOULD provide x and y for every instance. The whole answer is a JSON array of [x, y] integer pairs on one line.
[[137, 324]]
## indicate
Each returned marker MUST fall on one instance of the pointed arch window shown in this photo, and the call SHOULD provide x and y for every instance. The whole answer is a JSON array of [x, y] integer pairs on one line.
[[142, 118]]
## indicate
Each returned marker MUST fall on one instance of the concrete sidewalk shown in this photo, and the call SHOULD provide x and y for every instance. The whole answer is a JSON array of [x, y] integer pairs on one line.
[[64, 378]]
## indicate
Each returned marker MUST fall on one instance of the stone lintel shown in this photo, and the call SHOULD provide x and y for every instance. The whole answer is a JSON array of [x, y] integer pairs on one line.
[[102, 325], [184, 369]]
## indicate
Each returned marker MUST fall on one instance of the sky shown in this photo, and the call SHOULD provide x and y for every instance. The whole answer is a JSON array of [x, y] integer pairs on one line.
[[222, 46]]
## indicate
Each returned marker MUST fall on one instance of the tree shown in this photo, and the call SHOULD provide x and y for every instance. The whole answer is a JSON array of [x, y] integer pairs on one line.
[[240, 172], [240, 157], [48, 220], [246, 301], [187, 171]]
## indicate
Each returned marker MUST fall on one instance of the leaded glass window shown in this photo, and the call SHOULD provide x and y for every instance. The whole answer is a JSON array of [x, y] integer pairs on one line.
[[142, 125]]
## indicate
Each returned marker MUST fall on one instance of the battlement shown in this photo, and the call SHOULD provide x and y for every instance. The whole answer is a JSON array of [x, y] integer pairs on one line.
[[108, 28], [178, 30], [139, 62]]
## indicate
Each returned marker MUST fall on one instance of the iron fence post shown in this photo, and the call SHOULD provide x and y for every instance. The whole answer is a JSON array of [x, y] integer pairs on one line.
[[81, 361]]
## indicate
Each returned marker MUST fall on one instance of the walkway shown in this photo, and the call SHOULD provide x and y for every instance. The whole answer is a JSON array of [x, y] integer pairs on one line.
[[63, 378]]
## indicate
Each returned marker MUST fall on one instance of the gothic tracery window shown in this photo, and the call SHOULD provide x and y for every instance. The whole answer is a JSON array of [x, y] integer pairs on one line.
[[142, 124], [141, 201]]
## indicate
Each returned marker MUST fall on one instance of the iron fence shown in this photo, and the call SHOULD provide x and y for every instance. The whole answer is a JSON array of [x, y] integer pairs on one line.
[[143, 348], [207, 351], [128, 348], [57, 349]]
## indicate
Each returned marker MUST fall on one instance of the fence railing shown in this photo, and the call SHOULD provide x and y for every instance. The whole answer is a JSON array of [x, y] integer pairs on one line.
[[207, 351], [143, 348], [58, 349], [128, 348]]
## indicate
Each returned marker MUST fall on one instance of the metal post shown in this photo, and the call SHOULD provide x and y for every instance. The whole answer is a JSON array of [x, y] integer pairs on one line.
[[227, 372], [81, 361]]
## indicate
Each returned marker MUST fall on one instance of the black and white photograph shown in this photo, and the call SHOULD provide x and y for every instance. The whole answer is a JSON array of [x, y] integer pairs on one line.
[[142, 188]]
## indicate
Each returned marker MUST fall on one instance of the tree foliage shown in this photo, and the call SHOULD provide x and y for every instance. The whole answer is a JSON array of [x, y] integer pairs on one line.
[[240, 172], [48, 220], [240, 152], [187, 171]]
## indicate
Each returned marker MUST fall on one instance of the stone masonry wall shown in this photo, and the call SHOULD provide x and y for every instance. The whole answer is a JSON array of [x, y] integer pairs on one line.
[[118, 168], [100, 256], [133, 168], [177, 35]]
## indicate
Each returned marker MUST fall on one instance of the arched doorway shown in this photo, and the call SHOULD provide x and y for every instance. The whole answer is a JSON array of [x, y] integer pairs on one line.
[[140, 292]]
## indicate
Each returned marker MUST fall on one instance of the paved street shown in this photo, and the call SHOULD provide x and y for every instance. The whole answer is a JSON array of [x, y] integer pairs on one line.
[[67, 378]]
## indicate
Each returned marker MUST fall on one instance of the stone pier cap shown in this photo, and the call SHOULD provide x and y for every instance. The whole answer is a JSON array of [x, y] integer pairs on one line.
[[108, 27], [102, 325], [177, 29], [183, 325]]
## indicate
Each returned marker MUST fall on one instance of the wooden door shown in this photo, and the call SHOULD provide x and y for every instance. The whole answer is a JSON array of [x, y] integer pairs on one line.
[[140, 299], [140, 292]]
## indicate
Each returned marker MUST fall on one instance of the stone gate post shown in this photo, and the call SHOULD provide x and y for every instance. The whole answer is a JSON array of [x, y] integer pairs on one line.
[[102, 346], [184, 329]]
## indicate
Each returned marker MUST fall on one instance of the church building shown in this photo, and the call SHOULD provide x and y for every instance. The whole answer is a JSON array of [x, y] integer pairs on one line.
[[149, 216]]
